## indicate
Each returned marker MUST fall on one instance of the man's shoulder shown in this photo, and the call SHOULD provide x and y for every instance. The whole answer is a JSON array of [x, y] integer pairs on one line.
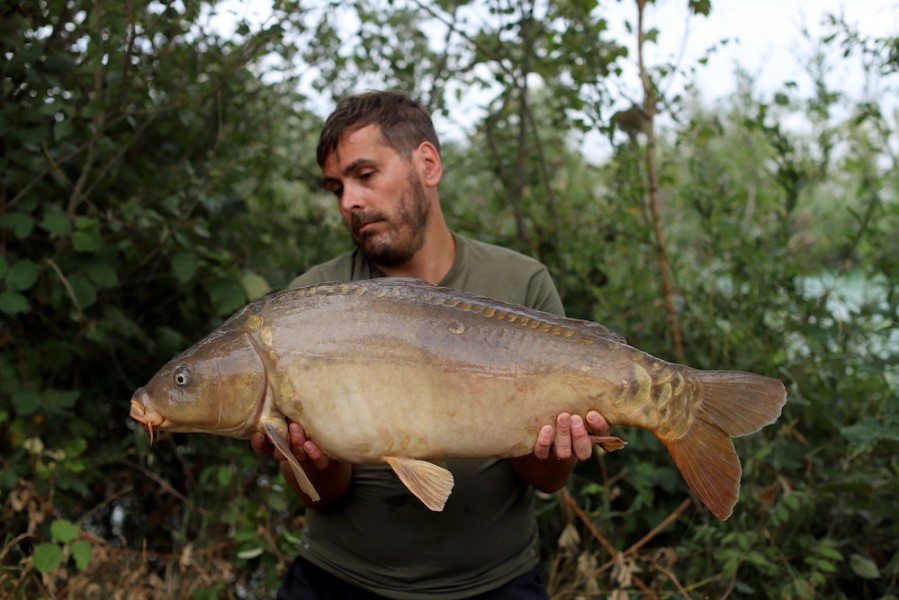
[[504, 274], [485, 252], [339, 268]]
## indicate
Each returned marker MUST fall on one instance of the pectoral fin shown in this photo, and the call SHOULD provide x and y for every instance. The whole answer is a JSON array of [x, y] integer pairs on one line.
[[429, 483], [609, 443], [280, 442]]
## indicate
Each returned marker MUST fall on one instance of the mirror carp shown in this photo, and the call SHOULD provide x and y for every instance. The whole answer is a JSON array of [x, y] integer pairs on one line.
[[398, 371]]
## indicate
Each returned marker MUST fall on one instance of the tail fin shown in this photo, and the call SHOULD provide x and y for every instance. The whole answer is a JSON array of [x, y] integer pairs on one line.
[[730, 404]]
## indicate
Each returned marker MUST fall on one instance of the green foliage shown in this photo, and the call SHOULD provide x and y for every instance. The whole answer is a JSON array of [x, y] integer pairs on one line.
[[156, 175], [48, 556], [150, 185]]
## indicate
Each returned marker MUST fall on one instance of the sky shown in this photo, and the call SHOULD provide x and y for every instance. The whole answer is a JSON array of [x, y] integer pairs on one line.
[[765, 39]]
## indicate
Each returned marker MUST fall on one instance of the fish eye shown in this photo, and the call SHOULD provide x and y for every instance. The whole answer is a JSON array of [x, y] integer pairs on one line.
[[182, 375]]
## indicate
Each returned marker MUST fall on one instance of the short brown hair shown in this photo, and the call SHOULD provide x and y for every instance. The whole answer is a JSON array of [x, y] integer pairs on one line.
[[404, 122]]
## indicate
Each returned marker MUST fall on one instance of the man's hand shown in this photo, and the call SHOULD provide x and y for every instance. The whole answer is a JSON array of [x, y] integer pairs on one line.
[[304, 449], [331, 478], [570, 436], [557, 449]]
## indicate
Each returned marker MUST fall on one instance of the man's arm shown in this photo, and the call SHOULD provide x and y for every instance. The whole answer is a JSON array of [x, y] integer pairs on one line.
[[558, 448]]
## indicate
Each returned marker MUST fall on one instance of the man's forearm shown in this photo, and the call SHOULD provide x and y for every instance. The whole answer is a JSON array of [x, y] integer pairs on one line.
[[547, 475], [331, 483]]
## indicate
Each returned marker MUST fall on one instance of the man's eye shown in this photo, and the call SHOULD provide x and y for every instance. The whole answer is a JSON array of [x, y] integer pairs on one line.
[[366, 175]]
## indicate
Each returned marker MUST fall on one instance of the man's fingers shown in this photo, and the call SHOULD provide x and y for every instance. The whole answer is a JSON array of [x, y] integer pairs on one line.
[[563, 436], [315, 454], [598, 424], [260, 443], [580, 440], [297, 438], [544, 441]]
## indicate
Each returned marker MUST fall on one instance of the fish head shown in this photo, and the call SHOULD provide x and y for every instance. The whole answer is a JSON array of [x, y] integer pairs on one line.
[[218, 386]]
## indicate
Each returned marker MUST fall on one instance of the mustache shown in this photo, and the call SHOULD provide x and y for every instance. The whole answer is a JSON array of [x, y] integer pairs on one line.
[[360, 219]]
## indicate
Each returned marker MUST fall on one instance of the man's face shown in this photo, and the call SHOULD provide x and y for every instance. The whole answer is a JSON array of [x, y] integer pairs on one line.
[[380, 195]]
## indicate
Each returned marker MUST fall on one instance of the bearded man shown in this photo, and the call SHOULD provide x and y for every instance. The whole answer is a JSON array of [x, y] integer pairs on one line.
[[368, 537]]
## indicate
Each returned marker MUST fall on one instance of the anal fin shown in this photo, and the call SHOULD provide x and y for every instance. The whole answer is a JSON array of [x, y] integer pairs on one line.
[[609, 443], [429, 483], [280, 442]]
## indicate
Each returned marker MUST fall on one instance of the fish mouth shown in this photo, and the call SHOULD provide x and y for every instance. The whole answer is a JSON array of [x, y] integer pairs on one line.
[[140, 413]]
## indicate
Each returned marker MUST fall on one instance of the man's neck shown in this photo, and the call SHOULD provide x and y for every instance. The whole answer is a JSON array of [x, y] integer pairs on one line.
[[432, 262]]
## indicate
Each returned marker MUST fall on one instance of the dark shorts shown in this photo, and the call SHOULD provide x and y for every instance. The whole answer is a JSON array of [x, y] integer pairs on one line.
[[306, 581]]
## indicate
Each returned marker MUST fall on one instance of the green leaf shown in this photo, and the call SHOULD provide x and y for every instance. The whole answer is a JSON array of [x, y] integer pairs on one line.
[[868, 431], [245, 534], [700, 7], [20, 223], [81, 551], [76, 447], [103, 275], [184, 265], [223, 475], [227, 295], [22, 275], [255, 285], [8, 479], [250, 553], [56, 223], [87, 241], [210, 593], [60, 400], [85, 291], [64, 531], [864, 567], [46, 557], [26, 402], [13, 303], [32, 136]]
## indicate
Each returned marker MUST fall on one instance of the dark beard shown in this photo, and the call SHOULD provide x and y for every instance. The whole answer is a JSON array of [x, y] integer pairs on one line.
[[404, 237]]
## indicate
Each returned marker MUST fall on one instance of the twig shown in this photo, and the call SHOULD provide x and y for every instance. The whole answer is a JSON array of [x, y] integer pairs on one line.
[[670, 575], [589, 524], [658, 528], [162, 482], [146, 554], [644, 588], [12, 543], [652, 176], [646, 538], [79, 315]]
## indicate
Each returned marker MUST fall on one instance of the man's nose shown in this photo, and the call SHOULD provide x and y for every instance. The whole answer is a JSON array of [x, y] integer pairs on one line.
[[351, 200]]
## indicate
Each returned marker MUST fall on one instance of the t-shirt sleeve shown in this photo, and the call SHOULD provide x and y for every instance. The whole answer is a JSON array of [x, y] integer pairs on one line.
[[542, 293], [310, 277], [341, 268]]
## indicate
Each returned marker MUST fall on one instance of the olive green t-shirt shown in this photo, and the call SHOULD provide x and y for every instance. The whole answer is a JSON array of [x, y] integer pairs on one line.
[[379, 536]]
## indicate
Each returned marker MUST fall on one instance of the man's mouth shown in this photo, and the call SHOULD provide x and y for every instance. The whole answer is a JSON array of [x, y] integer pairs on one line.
[[363, 227]]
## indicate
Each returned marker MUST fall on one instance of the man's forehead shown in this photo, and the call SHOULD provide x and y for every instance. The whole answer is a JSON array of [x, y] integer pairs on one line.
[[363, 143], [359, 139]]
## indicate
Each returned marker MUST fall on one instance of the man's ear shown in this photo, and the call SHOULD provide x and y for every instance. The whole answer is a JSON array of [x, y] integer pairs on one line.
[[429, 163]]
